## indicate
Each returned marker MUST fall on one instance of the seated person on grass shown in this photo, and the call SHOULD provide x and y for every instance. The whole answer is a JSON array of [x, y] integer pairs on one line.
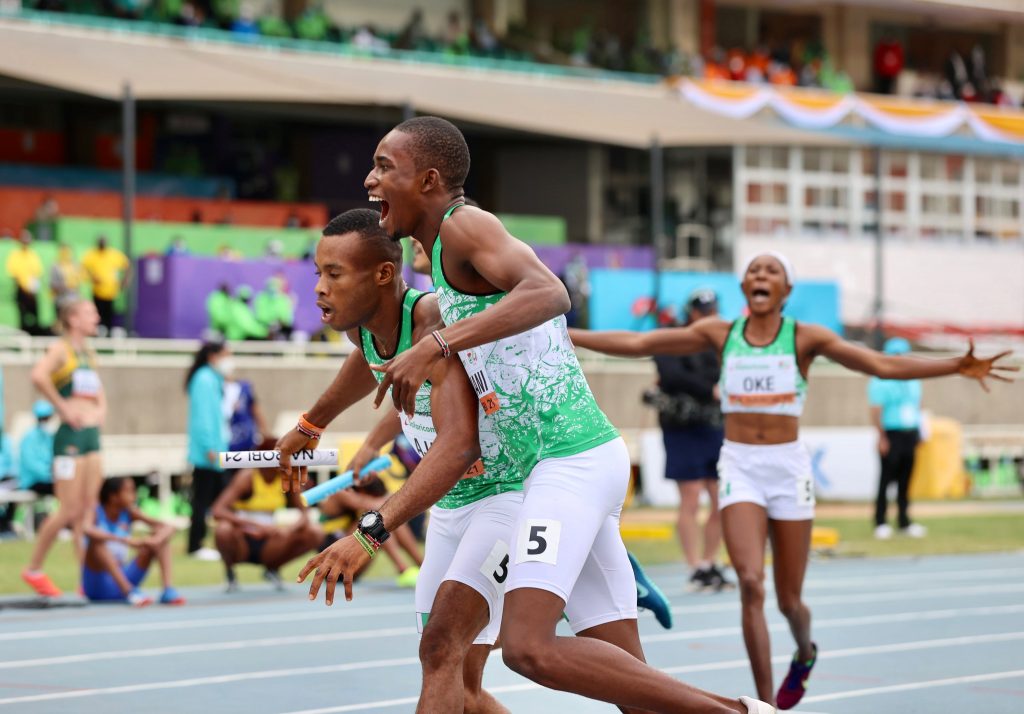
[[107, 574], [246, 532]]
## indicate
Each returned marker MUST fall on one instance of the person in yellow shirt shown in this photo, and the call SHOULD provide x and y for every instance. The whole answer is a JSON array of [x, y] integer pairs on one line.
[[26, 269], [109, 271]]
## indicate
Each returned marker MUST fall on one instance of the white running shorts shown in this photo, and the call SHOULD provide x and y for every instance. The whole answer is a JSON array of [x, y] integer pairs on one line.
[[777, 477], [567, 538], [469, 545]]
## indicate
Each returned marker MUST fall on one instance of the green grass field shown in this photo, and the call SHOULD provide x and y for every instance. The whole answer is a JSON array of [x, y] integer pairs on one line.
[[968, 533]]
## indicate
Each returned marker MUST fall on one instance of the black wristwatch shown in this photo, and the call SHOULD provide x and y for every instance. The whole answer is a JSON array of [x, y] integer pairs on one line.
[[372, 525]]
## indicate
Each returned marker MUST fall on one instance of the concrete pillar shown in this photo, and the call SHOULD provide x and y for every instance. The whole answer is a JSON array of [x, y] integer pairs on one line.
[[1014, 68], [684, 25], [854, 54]]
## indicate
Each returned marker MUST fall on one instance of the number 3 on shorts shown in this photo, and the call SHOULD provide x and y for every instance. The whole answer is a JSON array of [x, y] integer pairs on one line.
[[538, 541]]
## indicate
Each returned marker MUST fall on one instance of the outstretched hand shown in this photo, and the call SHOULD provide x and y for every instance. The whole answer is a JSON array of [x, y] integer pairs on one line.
[[982, 369], [341, 561], [293, 479], [405, 374]]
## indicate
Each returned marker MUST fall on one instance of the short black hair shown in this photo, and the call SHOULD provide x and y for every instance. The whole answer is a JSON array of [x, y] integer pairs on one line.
[[366, 223], [110, 488], [438, 144]]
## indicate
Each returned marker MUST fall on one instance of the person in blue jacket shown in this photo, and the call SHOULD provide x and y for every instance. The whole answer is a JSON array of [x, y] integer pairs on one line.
[[207, 435], [35, 453], [896, 414]]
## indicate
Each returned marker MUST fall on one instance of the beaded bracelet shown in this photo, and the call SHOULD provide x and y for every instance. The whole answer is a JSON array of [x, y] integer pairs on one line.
[[364, 541], [446, 351], [308, 428]]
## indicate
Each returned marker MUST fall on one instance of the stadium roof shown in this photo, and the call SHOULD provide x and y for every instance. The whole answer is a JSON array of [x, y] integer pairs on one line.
[[98, 62]]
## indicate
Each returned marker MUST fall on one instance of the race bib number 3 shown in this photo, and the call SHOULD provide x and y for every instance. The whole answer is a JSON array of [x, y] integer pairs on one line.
[[761, 380], [495, 567], [538, 541]]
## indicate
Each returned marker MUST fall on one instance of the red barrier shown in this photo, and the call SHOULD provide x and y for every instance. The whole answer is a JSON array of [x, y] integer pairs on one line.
[[18, 206]]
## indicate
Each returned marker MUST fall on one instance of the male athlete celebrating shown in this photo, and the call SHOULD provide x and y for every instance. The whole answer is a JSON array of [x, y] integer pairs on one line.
[[503, 313], [478, 490]]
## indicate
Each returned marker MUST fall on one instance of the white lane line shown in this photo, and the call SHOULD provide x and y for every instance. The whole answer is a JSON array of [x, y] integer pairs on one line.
[[892, 595], [911, 686], [915, 616], [823, 623], [743, 663], [380, 664], [222, 679], [210, 647], [821, 580], [322, 613]]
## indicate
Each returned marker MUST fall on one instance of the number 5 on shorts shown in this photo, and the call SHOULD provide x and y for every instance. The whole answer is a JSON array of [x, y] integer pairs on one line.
[[538, 541]]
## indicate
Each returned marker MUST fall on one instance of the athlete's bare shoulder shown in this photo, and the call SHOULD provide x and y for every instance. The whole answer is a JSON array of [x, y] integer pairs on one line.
[[470, 223], [714, 329]]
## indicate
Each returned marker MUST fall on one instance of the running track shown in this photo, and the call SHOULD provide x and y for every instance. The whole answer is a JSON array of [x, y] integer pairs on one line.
[[939, 634]]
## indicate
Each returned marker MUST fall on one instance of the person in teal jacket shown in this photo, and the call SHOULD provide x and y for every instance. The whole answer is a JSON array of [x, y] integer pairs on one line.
[[207, 435], [35, 453]]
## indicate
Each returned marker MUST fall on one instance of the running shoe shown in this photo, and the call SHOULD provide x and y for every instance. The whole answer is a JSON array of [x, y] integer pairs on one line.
[[699, 581], [756, 706], [795, 683], [914, 530], [170, 596], [274, 578], [41, 583], [407, 578], [232, 586], [137, 599], [883, 532], [649, 597], [717, 581], [206, 554]]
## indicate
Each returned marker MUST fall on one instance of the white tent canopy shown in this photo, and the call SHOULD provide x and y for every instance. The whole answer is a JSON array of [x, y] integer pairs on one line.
[[98, 62]]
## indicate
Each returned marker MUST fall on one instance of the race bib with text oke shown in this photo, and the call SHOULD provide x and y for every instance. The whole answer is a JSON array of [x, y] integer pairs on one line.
[[760, 380], [85, 383]]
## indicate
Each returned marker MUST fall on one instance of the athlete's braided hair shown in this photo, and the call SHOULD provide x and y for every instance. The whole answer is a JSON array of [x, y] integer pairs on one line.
[[438, 144], [366, 223]]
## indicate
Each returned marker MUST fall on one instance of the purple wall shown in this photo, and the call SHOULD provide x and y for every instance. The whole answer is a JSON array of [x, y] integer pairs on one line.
[[173, 290]]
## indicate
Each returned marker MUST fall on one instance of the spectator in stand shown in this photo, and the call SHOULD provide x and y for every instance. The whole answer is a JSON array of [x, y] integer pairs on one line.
[[414, 34], [178, 246], [218, 309], [207, 436], [275, 309], [25, 267], [109, 270], [456, 39], [66, 275], [45, 219], [889, 61], [896, 414], [242, 322], [958, 77], [691, 426]]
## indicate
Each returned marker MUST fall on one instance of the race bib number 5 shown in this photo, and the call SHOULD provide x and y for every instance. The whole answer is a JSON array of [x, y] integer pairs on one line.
[[538, 541]]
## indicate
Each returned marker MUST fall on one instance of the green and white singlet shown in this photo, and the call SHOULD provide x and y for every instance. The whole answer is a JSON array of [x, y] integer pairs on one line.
[[495, 473], [545, 407], [762, 380]]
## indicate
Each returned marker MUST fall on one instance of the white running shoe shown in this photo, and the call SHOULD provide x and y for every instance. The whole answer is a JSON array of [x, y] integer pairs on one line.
[[207, 554], [883, 532], [914, 530], [756, 706]]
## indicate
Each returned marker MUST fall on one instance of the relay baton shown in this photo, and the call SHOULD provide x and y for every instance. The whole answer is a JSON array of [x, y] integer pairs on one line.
[[342, 481]]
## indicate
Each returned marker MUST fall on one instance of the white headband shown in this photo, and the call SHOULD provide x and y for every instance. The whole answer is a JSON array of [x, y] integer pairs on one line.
[[787, 266]]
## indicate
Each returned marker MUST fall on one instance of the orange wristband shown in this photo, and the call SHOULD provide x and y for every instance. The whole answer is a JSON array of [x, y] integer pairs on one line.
[[310, 426]]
